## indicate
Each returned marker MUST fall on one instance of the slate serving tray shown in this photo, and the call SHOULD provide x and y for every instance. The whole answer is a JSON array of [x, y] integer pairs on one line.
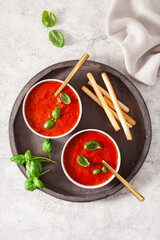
[[133, 153]]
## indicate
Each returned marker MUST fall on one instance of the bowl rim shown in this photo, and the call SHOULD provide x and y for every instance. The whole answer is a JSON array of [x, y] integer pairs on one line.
[[25, 119], [82, 185]]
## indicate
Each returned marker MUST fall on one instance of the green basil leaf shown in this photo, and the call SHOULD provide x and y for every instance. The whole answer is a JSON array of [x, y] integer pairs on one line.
[[104, 169], [38, 183], [28, 175], [28, 155], [56, 38], [65, 98], [48, 19], [49, 124], [30, 185], [47, 146], [56, 113], [34, 168], [96, 171], [83, 161], [38, 164], [19, 159], [92, 145]]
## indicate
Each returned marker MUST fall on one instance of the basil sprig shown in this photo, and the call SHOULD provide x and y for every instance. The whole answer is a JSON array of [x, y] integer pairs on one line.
[[55, 115], [97, 171], [34, 166], [48, 19], [83, 161], [92, 145]]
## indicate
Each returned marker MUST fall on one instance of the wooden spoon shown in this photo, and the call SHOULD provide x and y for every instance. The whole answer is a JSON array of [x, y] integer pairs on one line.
[[72, 73], [129, 186]]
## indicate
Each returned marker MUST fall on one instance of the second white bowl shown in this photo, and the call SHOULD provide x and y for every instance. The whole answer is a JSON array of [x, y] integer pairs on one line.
[[85, 186]]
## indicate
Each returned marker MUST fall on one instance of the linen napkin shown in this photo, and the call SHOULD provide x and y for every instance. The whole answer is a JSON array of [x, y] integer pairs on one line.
[[135, 26]]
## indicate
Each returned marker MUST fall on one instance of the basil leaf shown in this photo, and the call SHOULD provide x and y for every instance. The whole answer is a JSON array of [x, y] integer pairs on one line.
[[48, 19], [34, 168], [96, 171], [56, 38], [38, 183], [47, 146], [19, 159], [28, 155], [38, 165], [104, 169], [30, 185], [28, 175], [92, 145], [83, 161], [49, 124], [56, 113], [65, 98]]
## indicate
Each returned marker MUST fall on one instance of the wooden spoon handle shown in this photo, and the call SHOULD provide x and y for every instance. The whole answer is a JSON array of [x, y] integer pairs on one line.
[[129, 186], [74, 70]]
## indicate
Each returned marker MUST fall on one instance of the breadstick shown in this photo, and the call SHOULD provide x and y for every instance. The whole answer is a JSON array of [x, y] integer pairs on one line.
[[103, 102], [117, 107]]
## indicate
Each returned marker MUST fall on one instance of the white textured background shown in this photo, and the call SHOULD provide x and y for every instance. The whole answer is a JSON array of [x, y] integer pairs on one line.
[[24, 51]]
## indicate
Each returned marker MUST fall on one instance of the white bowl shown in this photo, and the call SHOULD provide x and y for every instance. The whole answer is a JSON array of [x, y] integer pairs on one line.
[[24, 116], [85, 186]]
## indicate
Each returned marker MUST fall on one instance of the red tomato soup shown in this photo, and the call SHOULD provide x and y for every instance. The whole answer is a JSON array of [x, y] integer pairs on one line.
[[40, 104], [75, 148]]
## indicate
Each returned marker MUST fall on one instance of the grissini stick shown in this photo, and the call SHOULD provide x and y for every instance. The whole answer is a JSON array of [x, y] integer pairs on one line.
[[117, 107], [122, 180], [103, 102], [72, 73], [127, 117], [105, 93], [95, 99]]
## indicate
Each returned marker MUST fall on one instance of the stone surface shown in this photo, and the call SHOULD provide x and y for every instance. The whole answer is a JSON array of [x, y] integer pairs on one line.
[[25, 50]]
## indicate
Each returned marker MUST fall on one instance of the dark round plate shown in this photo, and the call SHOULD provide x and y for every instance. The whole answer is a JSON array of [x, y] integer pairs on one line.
[[133, 153]]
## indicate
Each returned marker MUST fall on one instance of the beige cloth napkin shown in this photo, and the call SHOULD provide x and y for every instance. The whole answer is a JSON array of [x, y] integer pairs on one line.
[[135, 26]]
